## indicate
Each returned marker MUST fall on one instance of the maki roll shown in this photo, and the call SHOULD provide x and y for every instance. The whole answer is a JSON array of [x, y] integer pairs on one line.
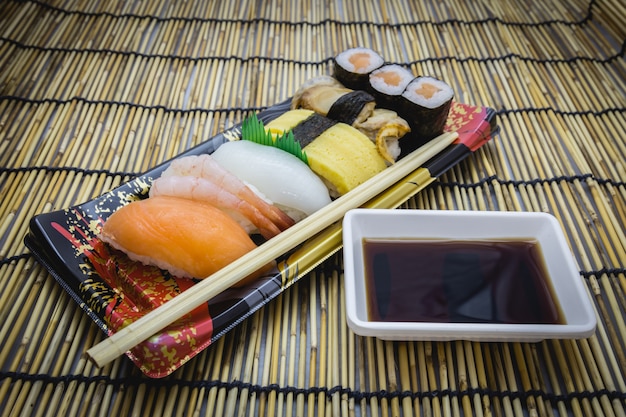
[[425, 105], [353, 66], [387, 84]]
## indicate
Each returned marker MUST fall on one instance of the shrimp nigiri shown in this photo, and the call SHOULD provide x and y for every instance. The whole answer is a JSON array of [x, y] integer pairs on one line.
[[187, 238], [199, 177]]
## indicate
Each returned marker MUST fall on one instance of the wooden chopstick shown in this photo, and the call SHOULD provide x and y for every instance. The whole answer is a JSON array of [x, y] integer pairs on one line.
[[326, 243], [146, 326]]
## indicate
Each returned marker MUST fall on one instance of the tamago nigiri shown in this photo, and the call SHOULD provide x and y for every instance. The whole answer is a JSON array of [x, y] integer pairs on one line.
[[187, 238]]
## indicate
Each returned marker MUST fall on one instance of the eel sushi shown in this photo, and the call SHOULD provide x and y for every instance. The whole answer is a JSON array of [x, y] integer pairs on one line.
[[425, 104], [325, 95], [387, 84], [353, 66]]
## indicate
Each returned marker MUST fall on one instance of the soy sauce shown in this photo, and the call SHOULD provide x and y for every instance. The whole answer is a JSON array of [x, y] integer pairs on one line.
[[499, 281]]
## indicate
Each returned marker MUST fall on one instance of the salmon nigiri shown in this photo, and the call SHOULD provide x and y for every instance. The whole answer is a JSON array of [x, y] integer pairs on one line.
[[187, 238]]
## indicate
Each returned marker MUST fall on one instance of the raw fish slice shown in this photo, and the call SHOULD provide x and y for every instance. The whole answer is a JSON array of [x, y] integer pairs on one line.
[[280, 176], [185, 237]]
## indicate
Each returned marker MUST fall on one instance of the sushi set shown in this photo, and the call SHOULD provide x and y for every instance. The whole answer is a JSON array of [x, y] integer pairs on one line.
[[98, 251]]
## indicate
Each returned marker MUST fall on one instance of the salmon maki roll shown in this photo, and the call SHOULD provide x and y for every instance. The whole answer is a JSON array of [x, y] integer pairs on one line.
[[425, 104], [353, 66], [186, 238], [387, 84]]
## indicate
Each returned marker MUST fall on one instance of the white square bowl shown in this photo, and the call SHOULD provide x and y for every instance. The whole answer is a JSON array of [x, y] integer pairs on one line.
[[571, 295]]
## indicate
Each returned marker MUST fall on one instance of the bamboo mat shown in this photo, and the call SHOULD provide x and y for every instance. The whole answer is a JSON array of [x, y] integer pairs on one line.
[[94, 93]]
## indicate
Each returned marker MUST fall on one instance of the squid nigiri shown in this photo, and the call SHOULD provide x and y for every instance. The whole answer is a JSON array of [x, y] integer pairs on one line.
[[187, 238], [281, 177]]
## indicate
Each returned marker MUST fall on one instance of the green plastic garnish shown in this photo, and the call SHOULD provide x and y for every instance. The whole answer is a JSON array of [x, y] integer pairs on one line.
[[252, 129]]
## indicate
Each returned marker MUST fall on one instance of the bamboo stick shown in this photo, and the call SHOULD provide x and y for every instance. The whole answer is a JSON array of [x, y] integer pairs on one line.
[[58, 321], [314, 347], [234, 371], [302, 336], [264, 366], [322, 379], [449, 366], [30, 356], [255, 358], [218, 394], [247, 351], [349, 359], [334, 346], [75, 337], [285, 401]]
